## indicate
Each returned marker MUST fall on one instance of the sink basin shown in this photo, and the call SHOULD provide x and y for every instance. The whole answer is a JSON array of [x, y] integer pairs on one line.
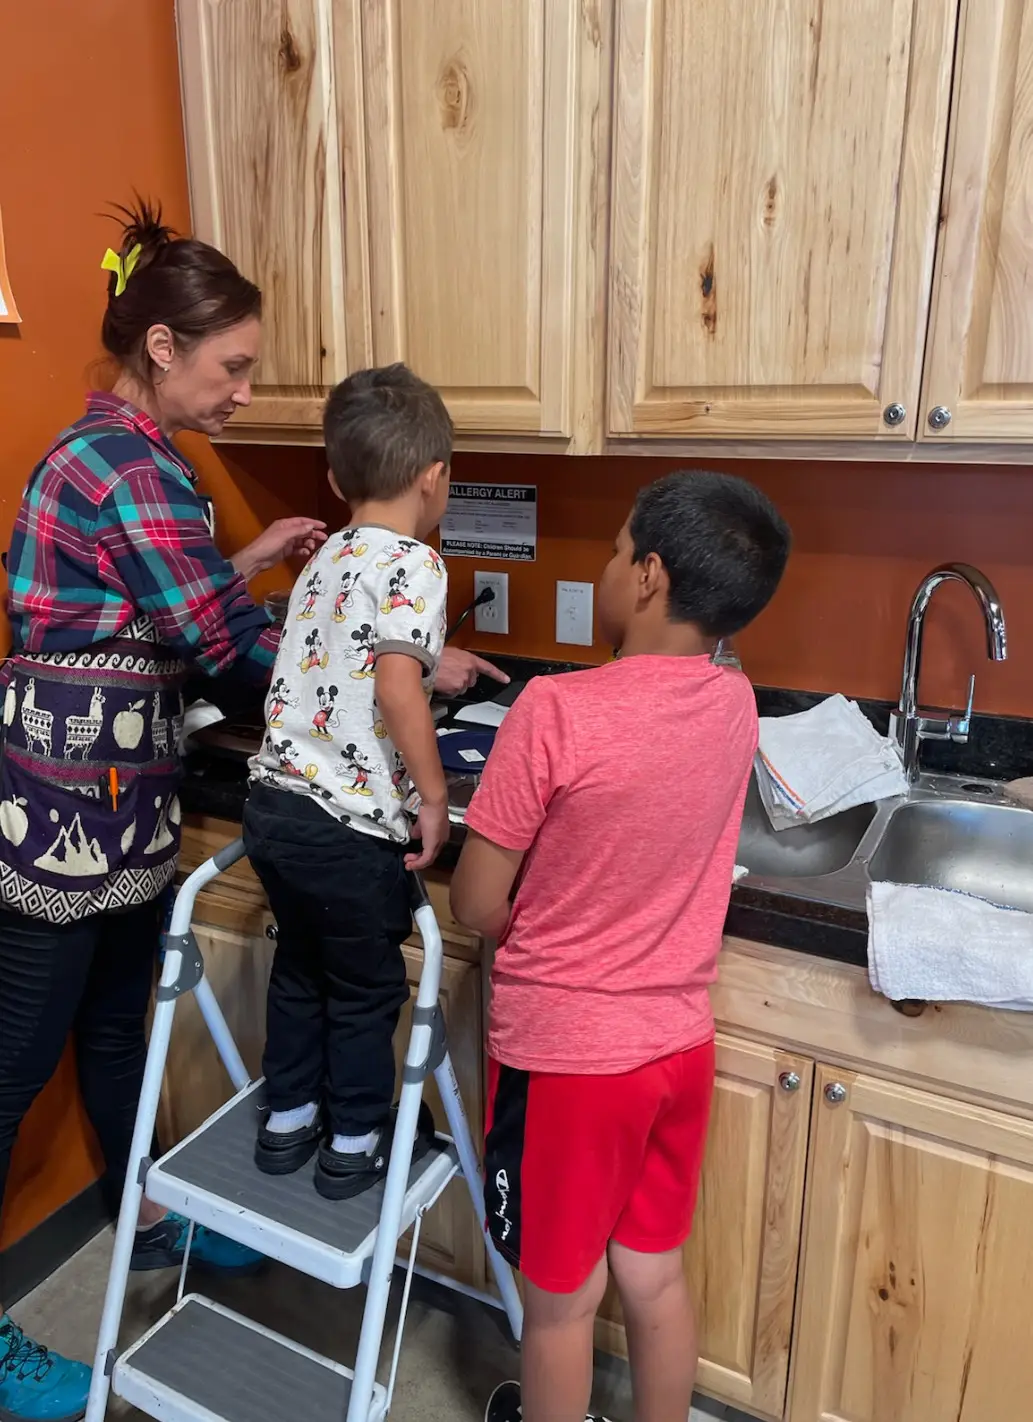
[[951, 844], [805, 851]]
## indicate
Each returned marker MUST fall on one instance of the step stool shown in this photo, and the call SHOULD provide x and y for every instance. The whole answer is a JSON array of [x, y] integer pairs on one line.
[[203, 1362]]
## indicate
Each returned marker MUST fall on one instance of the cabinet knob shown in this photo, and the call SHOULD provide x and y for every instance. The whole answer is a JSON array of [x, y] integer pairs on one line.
[[835, 1093], [894, 414], [789, 1081], [939, 417], [272, 932]]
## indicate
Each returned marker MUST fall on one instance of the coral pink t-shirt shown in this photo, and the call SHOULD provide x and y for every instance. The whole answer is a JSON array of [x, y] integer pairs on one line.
[[625, 787]]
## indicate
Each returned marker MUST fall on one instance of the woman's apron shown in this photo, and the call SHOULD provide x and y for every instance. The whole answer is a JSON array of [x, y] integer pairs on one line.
[[89, 815]]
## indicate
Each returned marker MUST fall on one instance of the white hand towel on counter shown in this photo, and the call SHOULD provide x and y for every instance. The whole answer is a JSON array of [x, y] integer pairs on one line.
[[946, 946], [823, 761]]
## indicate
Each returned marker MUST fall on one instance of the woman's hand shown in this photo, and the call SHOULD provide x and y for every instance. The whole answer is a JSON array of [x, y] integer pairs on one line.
[[286, 538], [458, 670]]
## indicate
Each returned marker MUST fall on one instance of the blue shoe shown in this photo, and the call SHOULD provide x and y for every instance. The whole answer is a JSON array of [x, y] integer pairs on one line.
[[37, 1385], [164, 1244]]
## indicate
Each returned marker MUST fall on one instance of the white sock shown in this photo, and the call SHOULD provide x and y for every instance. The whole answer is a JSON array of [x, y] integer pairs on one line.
[[354, 1145], [280, 1122]]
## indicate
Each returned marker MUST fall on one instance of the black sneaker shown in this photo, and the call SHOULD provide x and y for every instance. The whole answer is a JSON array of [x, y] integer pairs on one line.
[[504, 1406], [284, 1152], [342, 1177]]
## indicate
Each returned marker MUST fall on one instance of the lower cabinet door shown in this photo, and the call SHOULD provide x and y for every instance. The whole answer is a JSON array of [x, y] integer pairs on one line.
[[741, 1260], [918, 1259]]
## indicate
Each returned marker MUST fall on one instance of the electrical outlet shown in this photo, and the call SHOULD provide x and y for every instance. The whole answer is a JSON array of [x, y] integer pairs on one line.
[[492, 616], [574, 614]]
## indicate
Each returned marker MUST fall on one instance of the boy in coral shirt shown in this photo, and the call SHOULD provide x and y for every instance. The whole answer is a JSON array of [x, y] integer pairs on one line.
[[612, 801]]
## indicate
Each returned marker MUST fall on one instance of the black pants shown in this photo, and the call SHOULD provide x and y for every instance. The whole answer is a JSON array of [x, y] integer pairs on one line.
[[342, 909], [92, 978]]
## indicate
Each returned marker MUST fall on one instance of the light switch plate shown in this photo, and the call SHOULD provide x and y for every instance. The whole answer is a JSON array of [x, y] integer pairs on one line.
[[492, 616], [574, 614]]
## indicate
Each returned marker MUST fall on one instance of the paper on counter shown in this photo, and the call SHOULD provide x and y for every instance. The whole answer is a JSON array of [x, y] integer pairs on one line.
[[484, 713]]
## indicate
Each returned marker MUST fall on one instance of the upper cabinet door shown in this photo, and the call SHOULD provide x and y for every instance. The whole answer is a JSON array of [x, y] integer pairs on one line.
[[474, 122], [980, 364], [267, 188], [775, 187]]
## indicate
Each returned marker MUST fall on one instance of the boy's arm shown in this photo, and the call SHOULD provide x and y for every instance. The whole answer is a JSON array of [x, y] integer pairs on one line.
[[410, 633], [531, 761], [405, 711], [482, 884]]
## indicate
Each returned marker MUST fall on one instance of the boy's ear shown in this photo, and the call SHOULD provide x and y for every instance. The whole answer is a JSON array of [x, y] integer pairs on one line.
[[653, 579], [432, 476], [335, 486]]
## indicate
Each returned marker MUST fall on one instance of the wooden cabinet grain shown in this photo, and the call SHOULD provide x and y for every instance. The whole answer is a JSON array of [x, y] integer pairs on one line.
[[473, 111], [742, 1257], [775, 191], [267, 186], [626, 220], [917, 1267], [417, 180], [980, 361]]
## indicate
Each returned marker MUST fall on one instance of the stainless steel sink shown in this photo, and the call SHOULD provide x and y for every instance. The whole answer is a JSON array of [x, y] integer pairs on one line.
[[804, 852], [957, 844]]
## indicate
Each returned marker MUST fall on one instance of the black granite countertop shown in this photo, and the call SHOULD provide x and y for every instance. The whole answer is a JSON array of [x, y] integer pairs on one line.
[[1000, 748]]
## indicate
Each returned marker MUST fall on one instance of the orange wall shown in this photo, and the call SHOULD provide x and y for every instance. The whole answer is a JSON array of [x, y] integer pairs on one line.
[[864, 535]]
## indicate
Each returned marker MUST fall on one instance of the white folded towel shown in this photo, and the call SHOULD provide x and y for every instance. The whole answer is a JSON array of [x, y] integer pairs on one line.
[[947, 946], [198, 715], [823, 761]]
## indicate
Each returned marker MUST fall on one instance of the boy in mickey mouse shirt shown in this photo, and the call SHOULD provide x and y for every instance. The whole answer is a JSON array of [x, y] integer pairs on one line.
[[349, 748]]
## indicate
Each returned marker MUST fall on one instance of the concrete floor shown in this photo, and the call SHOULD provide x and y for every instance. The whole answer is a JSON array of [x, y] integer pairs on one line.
[[456, 1350]]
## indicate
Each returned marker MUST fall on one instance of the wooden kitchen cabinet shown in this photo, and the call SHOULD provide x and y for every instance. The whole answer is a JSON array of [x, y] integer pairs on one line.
[[742, 1257], [417, 180], [482, 189], [917, 1270], [775, 191], [270, 185], [980, 360]]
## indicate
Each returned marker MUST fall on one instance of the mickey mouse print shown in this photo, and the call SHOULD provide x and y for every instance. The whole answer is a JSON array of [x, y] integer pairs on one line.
[[367, 591]]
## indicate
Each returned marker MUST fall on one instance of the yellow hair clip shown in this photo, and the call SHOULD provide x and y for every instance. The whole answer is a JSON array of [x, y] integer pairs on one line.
[[123, 268]]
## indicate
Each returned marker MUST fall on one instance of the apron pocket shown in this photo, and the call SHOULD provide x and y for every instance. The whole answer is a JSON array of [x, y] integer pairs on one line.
[[77, 838]]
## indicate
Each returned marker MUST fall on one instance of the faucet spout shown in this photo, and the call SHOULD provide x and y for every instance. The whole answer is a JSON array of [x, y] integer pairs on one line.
[[907, 724]]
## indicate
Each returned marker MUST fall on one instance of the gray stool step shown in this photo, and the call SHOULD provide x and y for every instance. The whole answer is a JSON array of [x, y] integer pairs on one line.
[[211, 1178], [203, 1361]]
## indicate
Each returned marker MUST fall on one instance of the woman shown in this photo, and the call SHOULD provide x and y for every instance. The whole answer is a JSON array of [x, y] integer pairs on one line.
[[115, 589]]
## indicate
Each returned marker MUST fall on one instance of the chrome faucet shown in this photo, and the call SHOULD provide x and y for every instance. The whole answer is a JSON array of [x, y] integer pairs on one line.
[[909, 724]]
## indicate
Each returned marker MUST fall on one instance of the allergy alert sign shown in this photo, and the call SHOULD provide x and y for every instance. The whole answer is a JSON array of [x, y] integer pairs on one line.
[[491, 521]]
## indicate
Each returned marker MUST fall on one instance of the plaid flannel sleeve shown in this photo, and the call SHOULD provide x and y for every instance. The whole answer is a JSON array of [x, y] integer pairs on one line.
[[151, 530]]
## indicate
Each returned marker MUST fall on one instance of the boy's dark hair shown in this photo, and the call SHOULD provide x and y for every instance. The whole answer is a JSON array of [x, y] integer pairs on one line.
[[382, 428], [723, 543]]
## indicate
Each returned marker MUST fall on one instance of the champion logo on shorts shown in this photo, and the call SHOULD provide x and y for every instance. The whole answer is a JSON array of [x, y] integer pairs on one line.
[[502, 1186]]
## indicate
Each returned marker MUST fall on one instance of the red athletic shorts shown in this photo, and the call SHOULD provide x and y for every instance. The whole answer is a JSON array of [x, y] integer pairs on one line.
[[572, 1162]]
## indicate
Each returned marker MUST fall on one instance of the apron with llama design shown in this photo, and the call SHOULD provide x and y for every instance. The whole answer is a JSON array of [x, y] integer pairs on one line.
[[89, 815]]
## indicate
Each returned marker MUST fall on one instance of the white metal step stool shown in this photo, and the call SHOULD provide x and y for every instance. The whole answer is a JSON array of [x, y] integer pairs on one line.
[[202, 1362]]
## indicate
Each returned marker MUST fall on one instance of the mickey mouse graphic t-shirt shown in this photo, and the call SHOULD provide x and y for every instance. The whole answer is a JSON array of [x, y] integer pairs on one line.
[[367, 591]]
